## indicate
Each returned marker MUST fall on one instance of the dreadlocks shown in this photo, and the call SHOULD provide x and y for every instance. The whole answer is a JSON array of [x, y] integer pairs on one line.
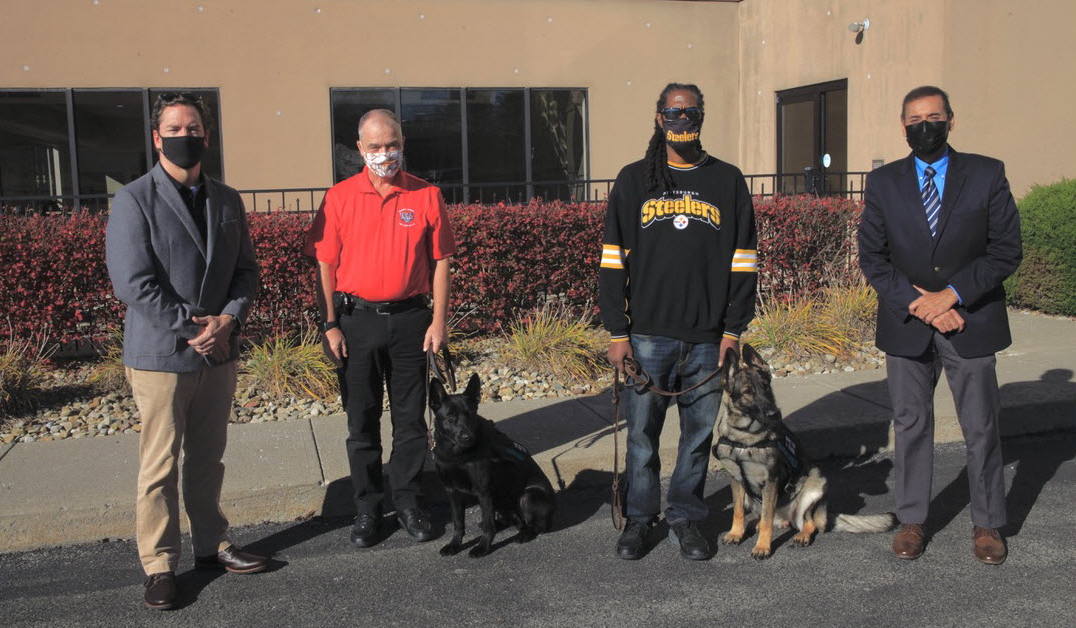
[[655, 164]]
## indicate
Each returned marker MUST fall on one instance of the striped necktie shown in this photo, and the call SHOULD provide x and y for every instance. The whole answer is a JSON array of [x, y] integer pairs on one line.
[[931, 201]]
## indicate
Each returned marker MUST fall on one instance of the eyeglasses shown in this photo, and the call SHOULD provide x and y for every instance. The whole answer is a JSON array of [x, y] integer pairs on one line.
[[170, 97], [673, 113]]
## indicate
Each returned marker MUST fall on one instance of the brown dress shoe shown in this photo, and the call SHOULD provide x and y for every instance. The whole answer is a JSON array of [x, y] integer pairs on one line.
[[908, 544], [161, 593], [989, 548], [233, 559]]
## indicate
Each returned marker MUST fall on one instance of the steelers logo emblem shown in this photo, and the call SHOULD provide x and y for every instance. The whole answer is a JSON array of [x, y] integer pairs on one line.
[[680, 222]]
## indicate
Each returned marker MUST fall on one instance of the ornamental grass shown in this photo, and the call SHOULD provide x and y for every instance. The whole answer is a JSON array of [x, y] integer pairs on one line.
[[23, 371], [552, 339], [291, 365]]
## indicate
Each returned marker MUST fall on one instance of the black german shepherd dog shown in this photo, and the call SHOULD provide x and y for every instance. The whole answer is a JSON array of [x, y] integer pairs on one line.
[[475, 459]]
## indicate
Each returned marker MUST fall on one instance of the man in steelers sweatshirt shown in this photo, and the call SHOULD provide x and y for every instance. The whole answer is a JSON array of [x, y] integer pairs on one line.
[[677, 288]]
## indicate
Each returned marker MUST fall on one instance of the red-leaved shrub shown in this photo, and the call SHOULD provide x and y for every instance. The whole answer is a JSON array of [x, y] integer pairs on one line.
[[52, 275], [805, 244], [511, 259]]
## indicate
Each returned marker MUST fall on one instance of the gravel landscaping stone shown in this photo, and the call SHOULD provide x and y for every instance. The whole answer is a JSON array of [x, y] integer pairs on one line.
[[76, 409]]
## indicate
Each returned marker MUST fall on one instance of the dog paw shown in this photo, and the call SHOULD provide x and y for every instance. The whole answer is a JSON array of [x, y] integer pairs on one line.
[[480, 550], [526, 536], [761, 553], [731, 539], [454, 546], [802, 540]]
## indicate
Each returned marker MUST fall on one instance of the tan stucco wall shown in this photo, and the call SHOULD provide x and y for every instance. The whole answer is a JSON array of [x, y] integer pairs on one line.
[[282, 55], [1008, 67], [1010, 70]]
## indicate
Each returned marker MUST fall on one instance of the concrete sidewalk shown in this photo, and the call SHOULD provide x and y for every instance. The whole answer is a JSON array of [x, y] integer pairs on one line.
[[74, 491]]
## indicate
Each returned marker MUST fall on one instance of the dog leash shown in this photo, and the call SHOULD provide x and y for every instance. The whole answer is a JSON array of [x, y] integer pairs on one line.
[[640, 380], [616, 509], [446, 375]]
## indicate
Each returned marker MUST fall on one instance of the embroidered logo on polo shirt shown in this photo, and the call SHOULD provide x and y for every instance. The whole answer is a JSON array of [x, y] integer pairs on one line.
[[407, 217]]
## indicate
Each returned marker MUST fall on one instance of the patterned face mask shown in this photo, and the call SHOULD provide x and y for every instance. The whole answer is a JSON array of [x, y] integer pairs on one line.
[[383, 164]]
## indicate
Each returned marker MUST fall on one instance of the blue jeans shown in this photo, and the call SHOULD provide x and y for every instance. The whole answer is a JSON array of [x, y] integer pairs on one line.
[[672, 365]]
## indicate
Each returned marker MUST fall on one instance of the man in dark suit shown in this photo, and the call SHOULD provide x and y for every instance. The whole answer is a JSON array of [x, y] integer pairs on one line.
[[939, 234], [179, 255]]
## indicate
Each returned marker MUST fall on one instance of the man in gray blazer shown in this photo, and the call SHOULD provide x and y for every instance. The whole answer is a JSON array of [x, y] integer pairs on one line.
[[179, 255]]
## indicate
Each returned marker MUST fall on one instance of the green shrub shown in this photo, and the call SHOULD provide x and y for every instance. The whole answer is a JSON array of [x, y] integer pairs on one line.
[[1046, 280]]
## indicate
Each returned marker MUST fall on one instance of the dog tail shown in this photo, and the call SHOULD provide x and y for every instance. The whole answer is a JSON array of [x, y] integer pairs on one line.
[[862, 524]]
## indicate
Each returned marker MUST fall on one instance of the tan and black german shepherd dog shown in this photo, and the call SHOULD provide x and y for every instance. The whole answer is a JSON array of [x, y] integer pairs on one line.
[[768, 469]]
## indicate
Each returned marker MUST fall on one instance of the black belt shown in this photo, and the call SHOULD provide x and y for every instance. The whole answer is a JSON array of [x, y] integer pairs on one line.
[[345, 303]]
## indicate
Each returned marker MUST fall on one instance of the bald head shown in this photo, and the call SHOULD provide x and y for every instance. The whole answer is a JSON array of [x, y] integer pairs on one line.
[[380, 118]]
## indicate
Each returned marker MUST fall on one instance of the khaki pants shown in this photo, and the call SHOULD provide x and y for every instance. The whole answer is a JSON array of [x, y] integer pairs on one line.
[[188, 410]]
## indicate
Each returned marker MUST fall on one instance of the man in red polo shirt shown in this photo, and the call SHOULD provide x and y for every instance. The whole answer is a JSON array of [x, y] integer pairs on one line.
[[382, 241]]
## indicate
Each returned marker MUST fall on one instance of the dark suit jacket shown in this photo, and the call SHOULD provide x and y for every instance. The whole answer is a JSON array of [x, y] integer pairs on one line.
[[977, 247], [162, 270]]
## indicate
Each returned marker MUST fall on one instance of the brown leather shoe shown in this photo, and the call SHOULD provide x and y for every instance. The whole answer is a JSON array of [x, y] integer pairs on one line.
[[161, 593], [233, 559], [908, 544], [989, 547]]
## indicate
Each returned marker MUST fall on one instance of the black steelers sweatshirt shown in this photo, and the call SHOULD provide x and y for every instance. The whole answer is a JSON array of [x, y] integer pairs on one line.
[[681, 264]]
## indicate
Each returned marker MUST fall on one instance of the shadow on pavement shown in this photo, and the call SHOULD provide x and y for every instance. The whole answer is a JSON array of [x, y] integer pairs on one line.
[[1035, 464]]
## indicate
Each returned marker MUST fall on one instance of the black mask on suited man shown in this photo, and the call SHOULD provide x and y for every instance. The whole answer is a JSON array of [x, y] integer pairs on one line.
[[927, 138], [184, 151]]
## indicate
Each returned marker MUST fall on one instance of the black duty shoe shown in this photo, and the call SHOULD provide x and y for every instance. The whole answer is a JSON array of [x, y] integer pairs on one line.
[[416, 523], [692, 544], [233, 559], [161, 591], [632, 542], [364, 532]]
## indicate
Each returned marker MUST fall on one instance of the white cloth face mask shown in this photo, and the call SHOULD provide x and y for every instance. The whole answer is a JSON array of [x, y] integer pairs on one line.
[[383, 164]]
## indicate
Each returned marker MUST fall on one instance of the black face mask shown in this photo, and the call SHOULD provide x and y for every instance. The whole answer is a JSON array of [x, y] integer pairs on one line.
[[683, 133], [927, 138], [184, 151]]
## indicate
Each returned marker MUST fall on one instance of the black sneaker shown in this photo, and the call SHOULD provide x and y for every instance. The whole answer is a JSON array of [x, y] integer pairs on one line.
[[692, 544], [632, 542], [364, 532]]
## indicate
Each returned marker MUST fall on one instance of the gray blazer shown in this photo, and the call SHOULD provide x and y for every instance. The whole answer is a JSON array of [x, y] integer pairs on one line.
[[164, 273]]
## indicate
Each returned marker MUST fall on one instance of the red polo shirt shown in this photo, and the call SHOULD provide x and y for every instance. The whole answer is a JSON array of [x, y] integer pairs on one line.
[[382, 247]]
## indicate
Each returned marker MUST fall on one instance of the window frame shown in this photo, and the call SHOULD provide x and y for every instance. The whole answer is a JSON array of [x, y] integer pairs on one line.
[[466, 182], [76, 194]]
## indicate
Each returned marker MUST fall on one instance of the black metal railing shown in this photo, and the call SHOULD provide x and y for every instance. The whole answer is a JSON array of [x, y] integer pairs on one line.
[[842, 184]]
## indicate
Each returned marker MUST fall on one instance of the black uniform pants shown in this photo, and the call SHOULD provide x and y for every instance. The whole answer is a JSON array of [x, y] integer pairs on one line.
[[385, 350]]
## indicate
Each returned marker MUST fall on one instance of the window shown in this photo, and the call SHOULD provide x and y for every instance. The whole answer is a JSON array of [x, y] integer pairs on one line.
[[479, 144], [812, 122], [35, 148], [76, 148]]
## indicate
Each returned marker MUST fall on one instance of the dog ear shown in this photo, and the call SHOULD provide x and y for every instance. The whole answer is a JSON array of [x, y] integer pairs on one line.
[[437, 394], [473, 392], [753, 358], [729, 365]]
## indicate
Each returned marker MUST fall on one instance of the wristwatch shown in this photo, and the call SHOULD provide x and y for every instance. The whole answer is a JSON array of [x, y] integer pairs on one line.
[[327, 325]]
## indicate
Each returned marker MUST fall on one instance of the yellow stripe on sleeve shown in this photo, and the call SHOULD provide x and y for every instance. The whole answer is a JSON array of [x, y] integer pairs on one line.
[[612, 257], [745, 261]]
